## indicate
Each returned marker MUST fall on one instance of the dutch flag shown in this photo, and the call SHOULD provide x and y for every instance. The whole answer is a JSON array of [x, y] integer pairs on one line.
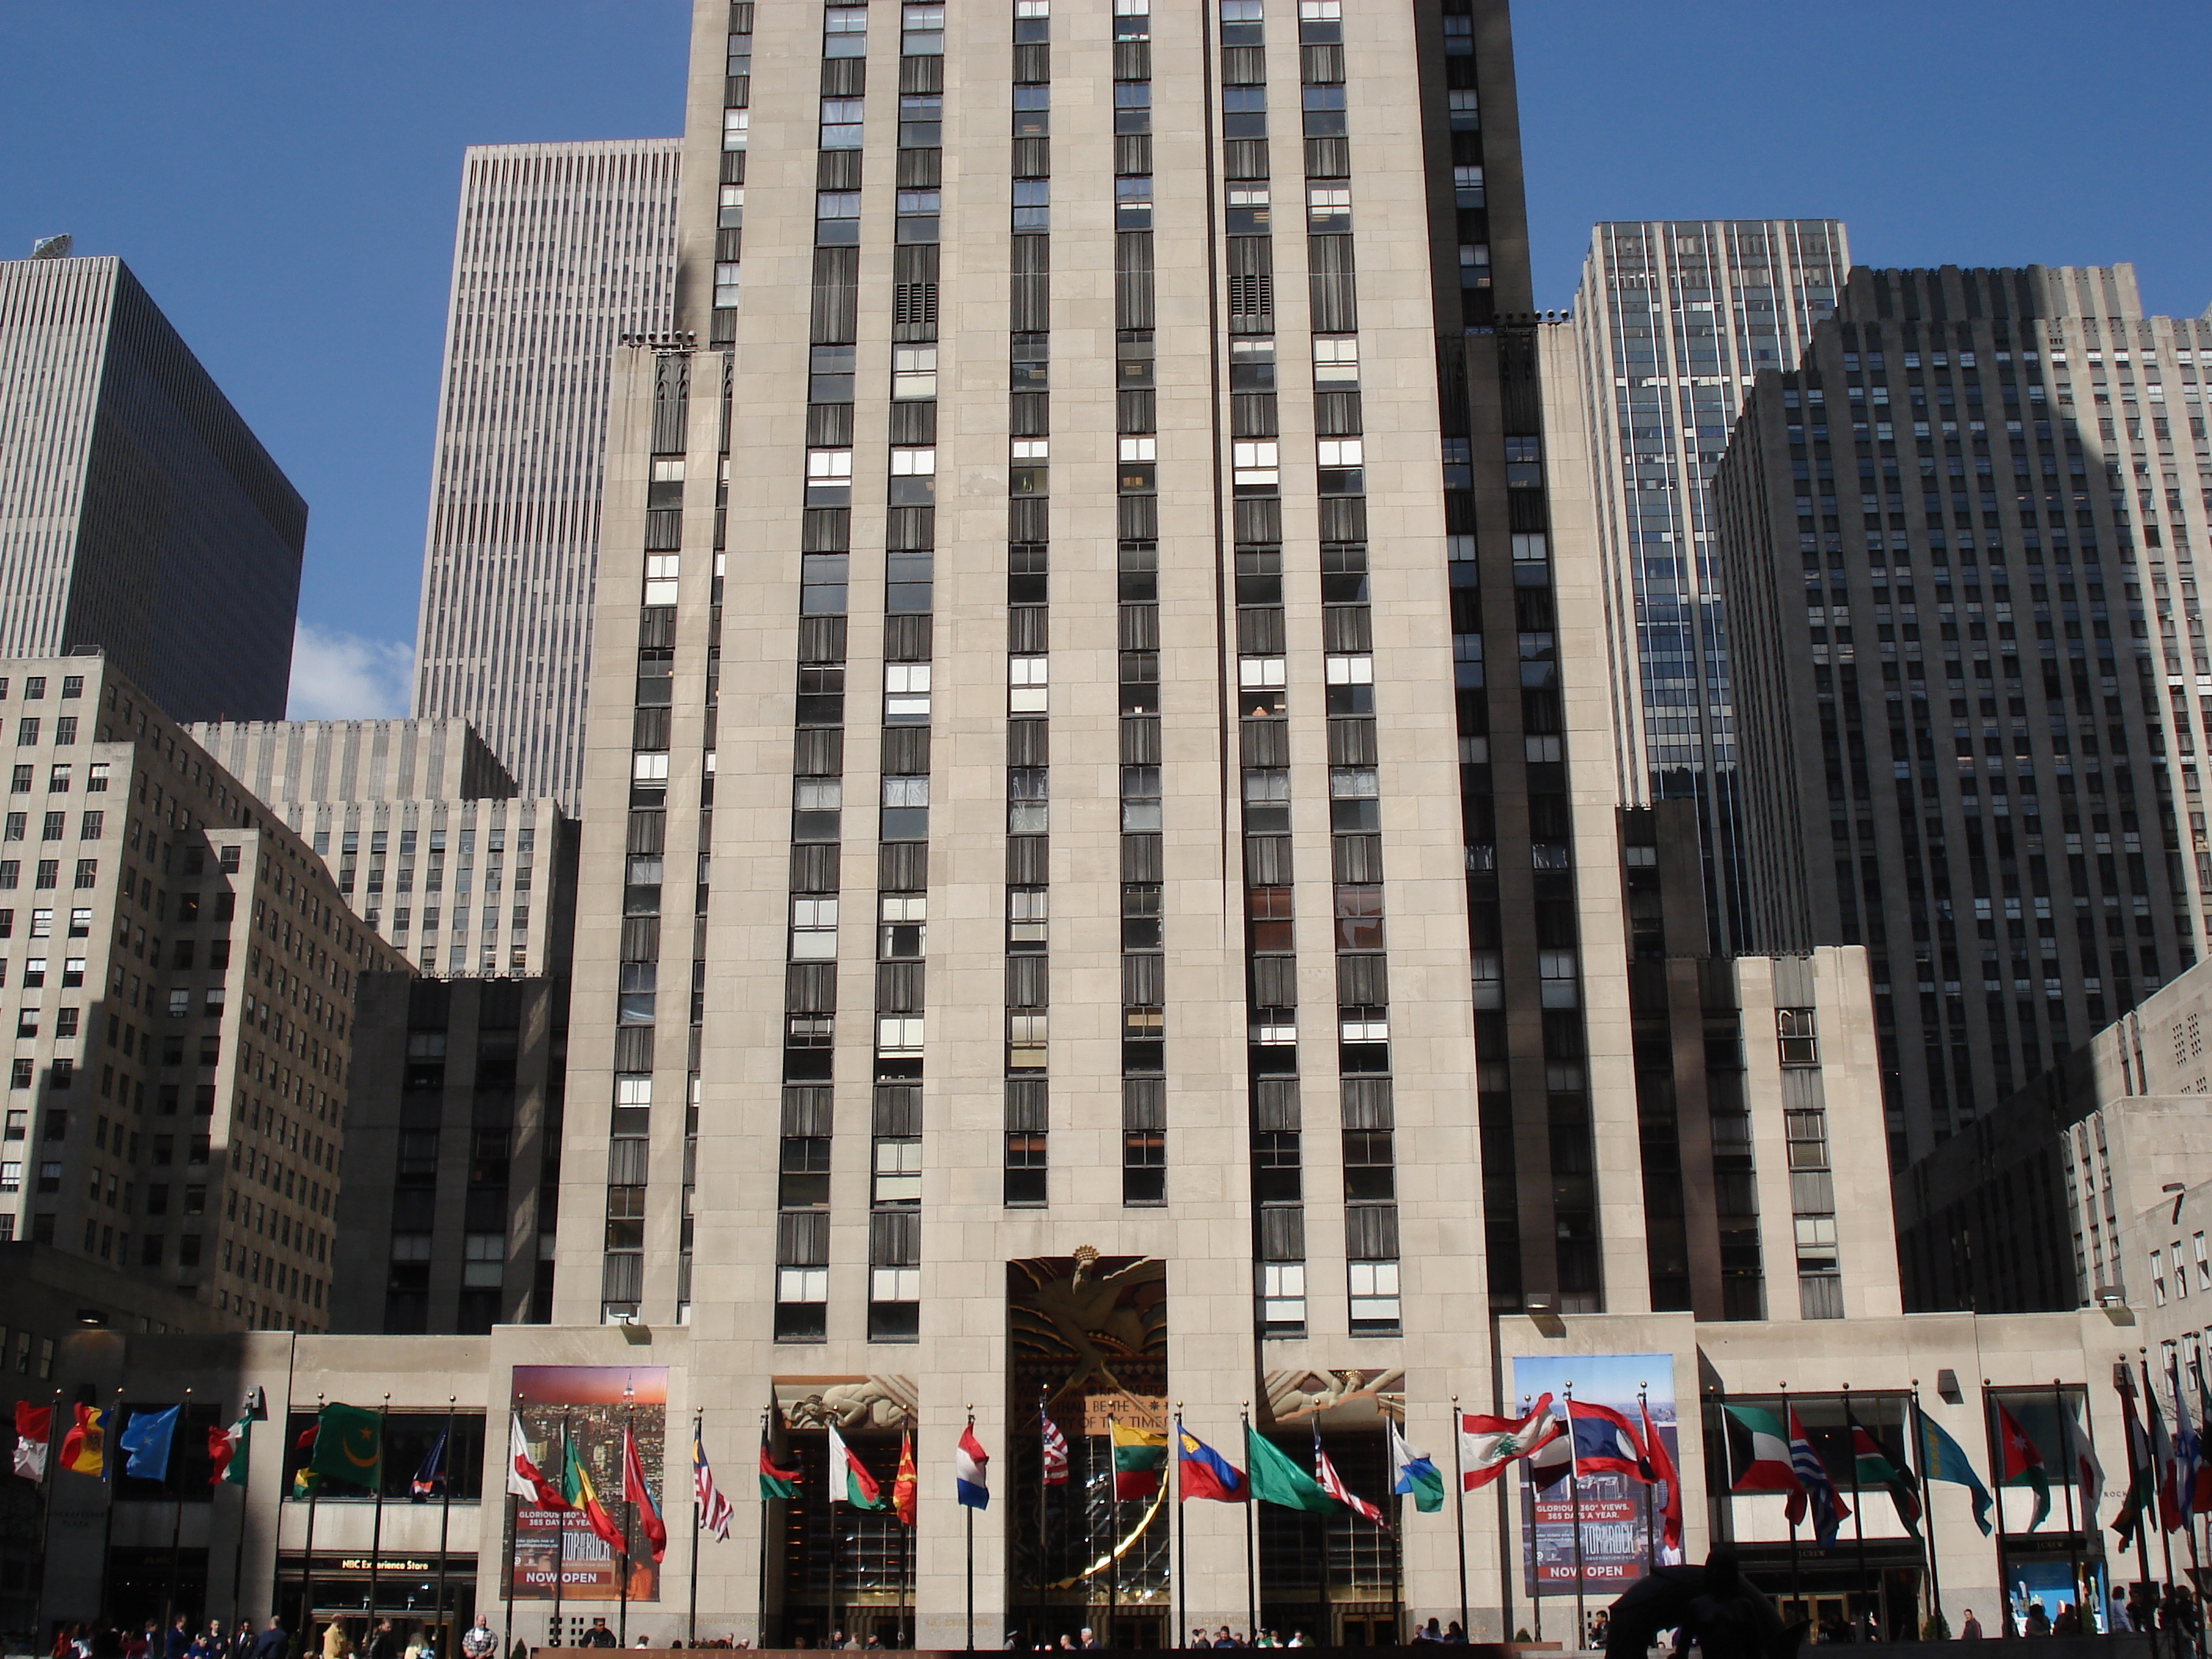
[[970, 1473]]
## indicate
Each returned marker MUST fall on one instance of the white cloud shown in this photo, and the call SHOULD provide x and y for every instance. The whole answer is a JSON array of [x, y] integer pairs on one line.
[[341, 677]]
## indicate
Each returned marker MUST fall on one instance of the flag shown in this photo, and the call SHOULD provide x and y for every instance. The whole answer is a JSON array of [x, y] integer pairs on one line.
[[2142, 1479], [227, 1449], [1605, 1440], [1055, 1447], [1770, 1468], [1413, 1476], [971, 1473], [1873, 1464], [523, 1478], [906, 1483], [1553, 1462], [634, 1491], [775, 1481], [1138, 1457], [578, 1493], [1275, 1480], [715, 1511], [849, 1479], [2188, 1451], [147, 1437], [1942, 1458], [1488, 1443], [1202, 1472], [2200, 1496], [2022, 1464], [1816, 1489], [2161, 1462], [1661, 1463], [348, 1445], [427, 1480], [84, 1448], [304, 1481], [34, 1429], [2088, 1473], [1331, 1482]]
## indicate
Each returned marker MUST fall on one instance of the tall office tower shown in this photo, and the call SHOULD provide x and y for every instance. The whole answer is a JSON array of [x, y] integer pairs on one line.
[[1099, 654], [421, 829], [1673, 319], [561, 251], [1960, 542], [138, 514], [185, 1017]]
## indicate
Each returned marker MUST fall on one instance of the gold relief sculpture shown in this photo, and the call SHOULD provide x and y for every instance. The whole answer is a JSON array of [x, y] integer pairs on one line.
[[1089, 1324]]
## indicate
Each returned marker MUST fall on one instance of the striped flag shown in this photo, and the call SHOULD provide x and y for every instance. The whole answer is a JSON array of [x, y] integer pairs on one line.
[[1332, 1483], [1055, 1450], [714, 1509]]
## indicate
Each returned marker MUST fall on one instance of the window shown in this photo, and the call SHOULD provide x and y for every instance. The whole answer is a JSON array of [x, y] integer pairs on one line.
[[57, 780], [1026, 681], [26, 731], [87, 874], [1374, 1294], [1029, 911], [1257, 463], [1283, 1293], [898, 1174], [904, 924], [914, 372], [1328, 206], [841, 116], [802, 1284], [96, 783], [813, 929], [1025, 1169], [1336, 363], [2157, 1272], [1032, 204], [898, 1034], [1799, 1039]]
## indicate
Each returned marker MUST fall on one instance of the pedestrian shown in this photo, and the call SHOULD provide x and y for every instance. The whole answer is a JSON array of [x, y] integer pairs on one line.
[[1089, 1638], [2039, 1619], [273, 1642], [601, 1636], [2115, 1612], [1970, 1631]]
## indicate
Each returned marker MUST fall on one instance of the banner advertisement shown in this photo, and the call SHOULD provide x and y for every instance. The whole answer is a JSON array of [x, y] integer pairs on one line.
[[585, 1408], [1622, 1513]]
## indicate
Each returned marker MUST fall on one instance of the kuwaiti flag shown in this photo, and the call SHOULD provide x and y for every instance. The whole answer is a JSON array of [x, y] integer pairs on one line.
[[1413, 1476], [970, 1470], [1332, 1483], [1816, 1488], [849, 1479], [1768, 1468], [35, 1430], [1605, 1440], [1488, 1443], [524, 1477]]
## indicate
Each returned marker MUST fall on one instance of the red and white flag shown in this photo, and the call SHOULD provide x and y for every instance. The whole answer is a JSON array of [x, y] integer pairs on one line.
[[1055, 1450], [523, 1477], [1332, 1483], [714, 1509], [1488, 1443], [35, 1428]]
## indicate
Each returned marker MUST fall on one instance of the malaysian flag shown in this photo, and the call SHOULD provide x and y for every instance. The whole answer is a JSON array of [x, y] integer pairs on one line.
[[714, 1509], [1332, 1483], [1055, 1450]]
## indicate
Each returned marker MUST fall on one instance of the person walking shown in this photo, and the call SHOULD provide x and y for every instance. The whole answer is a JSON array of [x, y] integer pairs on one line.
[[273, 1642], [1970, 1631], [480, 1640]]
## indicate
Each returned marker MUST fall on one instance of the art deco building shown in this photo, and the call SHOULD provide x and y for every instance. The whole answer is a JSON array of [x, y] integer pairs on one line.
[[138, 514], [561, 250], [421, 827], [1673, 318], [182, 974], [1961, 543]]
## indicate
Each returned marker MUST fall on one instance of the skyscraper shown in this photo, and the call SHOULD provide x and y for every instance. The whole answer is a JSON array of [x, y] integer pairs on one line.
[[1673, 319], [1960, 542], [138, 514], [1119, 832], [561, 251]]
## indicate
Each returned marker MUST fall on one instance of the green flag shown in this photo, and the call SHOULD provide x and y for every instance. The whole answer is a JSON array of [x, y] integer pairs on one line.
[[348, 1445], [1276, 1480]]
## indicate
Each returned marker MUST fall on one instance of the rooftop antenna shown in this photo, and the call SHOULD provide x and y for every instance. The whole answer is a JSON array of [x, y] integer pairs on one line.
[[53, 247]]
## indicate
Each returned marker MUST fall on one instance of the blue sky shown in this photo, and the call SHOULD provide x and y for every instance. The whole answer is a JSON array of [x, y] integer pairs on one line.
[[282, 177]]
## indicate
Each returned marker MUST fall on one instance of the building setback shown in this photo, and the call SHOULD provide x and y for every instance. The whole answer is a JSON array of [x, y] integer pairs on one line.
[[1960, 542], [183, 971], [421, 828], [1673, 318], [561, 251], [138, 514]]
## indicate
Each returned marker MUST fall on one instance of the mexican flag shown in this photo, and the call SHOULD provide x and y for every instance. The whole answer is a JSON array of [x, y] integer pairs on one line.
[[849, 1479], [1769, 1468]]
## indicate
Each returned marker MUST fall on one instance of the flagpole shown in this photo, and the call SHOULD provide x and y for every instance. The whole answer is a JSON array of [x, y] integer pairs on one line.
[[1459, 1521], [1182, 1557], [1113, 1547], [1251, 1502], [2184, 1500], [1996, 1486], [1796, 1590], [691, 1611], [177, 1524], [1529, 1533], [111, 1438], [46, 1516], [2123, 1385], [245, 1454], [445, 1474], [1574, 1511], [307, 1554], [629, 1510], [2165, 1537], [760, 1630], [514, 1525], [1650, 1537], [561, 1535], [970, 1518], [2067, 1471], [1044, 1497], [1867, 1598], [1919, 1465], [376, 1531]]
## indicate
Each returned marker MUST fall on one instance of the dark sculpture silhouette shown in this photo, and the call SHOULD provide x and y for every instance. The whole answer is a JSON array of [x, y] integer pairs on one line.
[[1714, 1605]]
